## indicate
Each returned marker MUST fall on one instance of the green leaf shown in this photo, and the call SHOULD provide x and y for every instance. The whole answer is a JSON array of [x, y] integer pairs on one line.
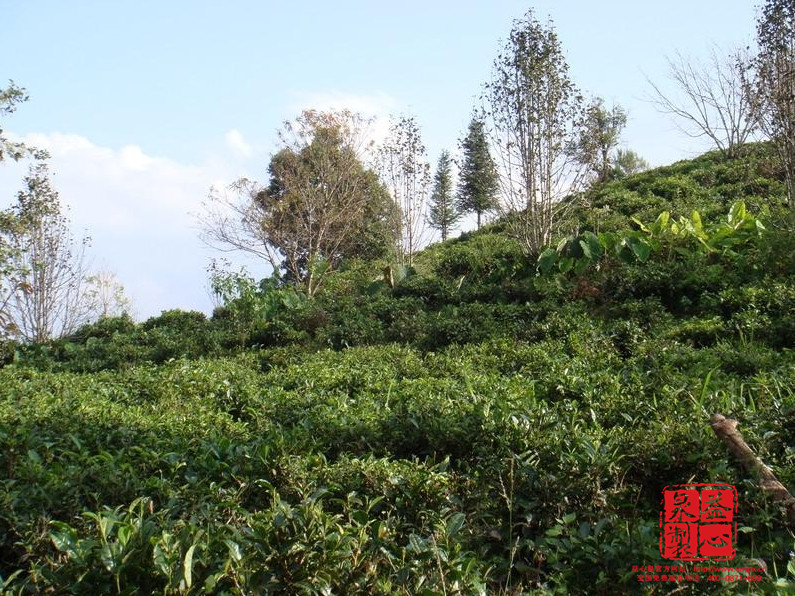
[[547, 260], [661, 223], [642, 250], [106, 554], [581, 265], [187, 566], [737, 213], [416, 544], [639, 247], [454, 524], [625, 254], [64, 537], [608, 241], [124, 533], [234, 550], [585, 530], [594, 245], [600, 526], [695, 220], [586, 250], [565, 265], [160, 560]]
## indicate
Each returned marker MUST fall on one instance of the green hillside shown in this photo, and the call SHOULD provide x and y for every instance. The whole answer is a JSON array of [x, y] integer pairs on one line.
[[483, 422]]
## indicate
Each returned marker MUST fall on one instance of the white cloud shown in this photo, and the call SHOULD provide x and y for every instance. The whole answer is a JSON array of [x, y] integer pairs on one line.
[[132, 158], [139, 211], [235, 141]]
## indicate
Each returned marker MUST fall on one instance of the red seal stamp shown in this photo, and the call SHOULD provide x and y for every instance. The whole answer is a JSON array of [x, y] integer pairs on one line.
[[697, 522]]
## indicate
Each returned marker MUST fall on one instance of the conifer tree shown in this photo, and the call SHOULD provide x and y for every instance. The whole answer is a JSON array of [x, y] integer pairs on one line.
[[444, 213], [477, 189]]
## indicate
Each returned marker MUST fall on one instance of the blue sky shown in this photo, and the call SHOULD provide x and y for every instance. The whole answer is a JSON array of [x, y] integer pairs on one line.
[[144, 105]]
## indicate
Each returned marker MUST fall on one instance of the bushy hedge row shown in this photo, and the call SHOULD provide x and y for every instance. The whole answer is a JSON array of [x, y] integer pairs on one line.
[[502, 465]]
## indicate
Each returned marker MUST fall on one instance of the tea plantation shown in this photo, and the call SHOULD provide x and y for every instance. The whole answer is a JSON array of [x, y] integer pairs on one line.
[[486, 424]]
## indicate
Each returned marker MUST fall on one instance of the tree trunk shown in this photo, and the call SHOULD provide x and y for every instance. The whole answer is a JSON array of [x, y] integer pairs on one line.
[[726, 430]]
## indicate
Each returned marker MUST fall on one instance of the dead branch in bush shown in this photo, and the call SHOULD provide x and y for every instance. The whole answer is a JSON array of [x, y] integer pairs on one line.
[[726, 429]]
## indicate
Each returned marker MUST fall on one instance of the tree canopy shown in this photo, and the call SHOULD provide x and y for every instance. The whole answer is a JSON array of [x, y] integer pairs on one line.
[[321, 204]]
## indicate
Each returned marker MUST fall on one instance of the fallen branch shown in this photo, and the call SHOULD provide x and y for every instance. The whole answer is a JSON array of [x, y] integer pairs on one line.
[[726, 429]]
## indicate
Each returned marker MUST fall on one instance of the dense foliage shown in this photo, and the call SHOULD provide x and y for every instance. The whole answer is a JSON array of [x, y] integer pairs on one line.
[[480, 423]]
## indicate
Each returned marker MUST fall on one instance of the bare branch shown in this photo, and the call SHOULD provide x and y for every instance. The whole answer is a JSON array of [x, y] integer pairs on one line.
[[713, 101]]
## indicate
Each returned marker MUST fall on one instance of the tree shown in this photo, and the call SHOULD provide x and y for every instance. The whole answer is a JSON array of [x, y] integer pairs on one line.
[[712, 101], [407, 175], [106, 295], [627, 162], [444, 213], [10, 97], [535, 113], [321, 204], [599, 135], [44, 283], [771, 86], [479, 182]]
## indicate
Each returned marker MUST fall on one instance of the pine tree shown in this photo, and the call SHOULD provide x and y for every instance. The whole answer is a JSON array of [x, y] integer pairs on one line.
[[477, 189], [444, 213]]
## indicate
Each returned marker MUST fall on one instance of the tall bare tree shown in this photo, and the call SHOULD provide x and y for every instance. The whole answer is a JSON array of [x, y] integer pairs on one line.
[[535, 113], [321, 204], [771, 86], [44, 283], [407, 174], [711, 101]]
